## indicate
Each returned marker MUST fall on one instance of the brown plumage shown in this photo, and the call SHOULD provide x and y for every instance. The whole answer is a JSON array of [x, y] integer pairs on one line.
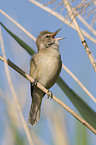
[[45, 66]]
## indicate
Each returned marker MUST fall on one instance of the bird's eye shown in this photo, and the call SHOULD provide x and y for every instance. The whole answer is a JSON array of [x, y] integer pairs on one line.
[[47, 36]]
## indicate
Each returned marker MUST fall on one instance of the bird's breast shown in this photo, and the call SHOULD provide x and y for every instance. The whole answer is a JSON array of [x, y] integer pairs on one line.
[[48, 67]]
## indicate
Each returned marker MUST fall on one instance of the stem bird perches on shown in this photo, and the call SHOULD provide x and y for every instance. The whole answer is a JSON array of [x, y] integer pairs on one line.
[[20, 71]]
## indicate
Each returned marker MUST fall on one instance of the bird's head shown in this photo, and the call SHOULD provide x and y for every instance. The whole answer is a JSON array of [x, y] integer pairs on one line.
[[47, 39]]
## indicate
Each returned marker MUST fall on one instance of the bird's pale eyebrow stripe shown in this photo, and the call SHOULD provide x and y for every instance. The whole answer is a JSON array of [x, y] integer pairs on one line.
[[45, 35]]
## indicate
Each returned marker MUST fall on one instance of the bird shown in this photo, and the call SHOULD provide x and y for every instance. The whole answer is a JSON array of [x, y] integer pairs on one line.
[[45, 67]]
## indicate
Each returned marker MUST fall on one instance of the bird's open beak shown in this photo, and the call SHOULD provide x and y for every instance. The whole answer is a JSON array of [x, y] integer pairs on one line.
[[55, 33]]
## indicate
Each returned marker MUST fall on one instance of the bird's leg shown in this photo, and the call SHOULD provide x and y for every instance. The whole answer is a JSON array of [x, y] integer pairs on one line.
[[49, 94], [34, 82]]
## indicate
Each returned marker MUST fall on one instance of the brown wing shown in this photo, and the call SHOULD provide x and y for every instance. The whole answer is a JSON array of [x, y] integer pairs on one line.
[[34, 71]]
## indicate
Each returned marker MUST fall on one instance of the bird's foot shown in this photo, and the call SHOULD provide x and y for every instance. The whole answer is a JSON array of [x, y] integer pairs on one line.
[[49, 94], [34, 82]]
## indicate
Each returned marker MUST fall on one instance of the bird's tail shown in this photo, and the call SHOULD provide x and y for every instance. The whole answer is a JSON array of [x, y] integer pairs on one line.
[[34, 114]]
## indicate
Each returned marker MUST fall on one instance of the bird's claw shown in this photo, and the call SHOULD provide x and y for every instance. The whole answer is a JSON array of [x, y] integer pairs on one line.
[[34, 82], [49, 94]]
